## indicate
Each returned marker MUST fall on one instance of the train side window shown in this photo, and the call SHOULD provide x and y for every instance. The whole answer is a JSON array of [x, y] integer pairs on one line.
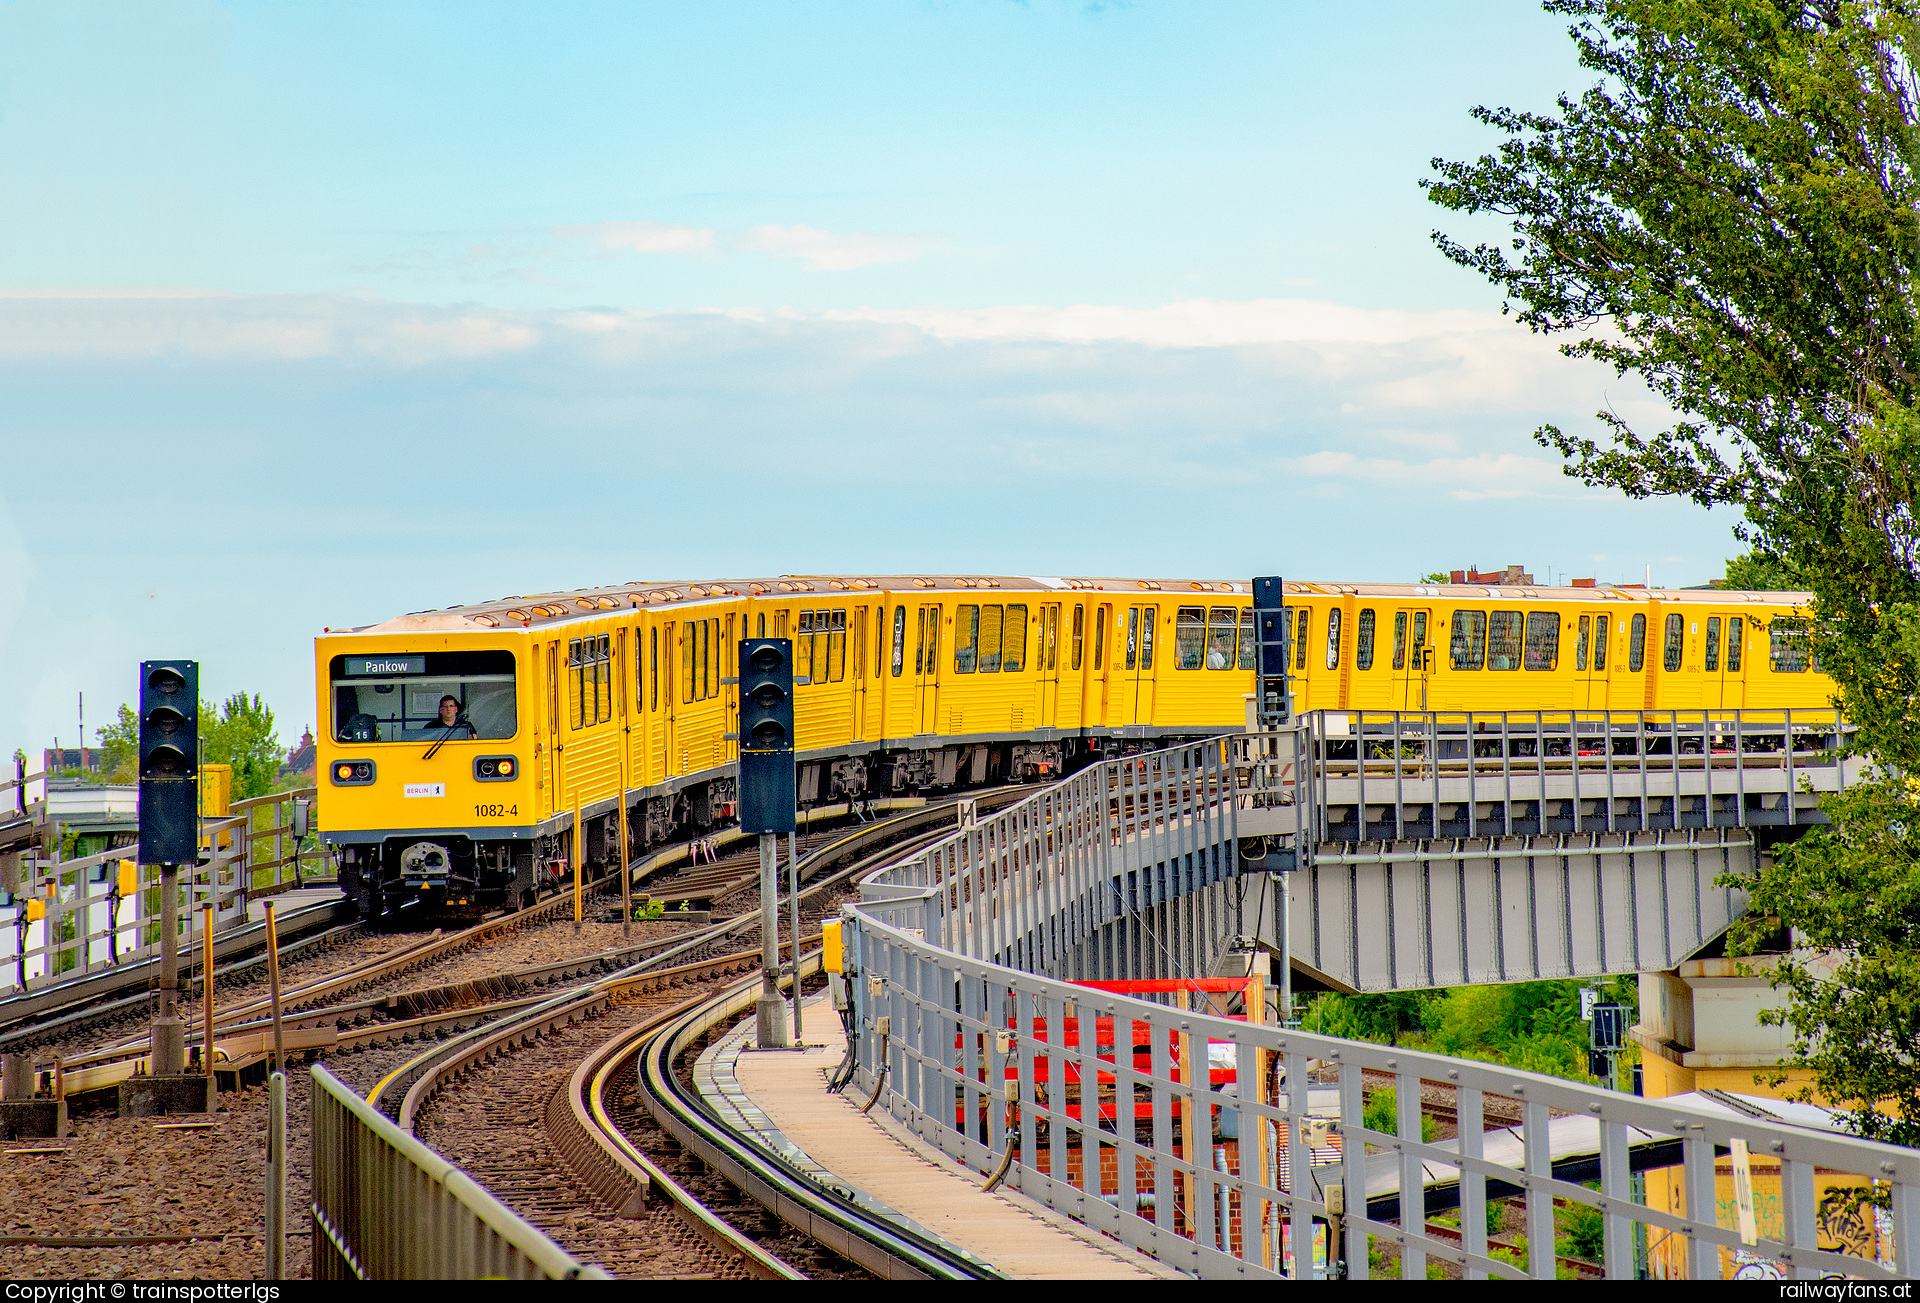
[[1599, 643], [689, 648], [1468, 643], [1079, 633], [1503, 640], [1223, 637], [706, 659], [803, 647], [779, 624], [991, 628], [1399, 640], [1300, 642], [858, 640], [1189, 637], [900, 642], [1788, 646], [1247, 638], [575, 681], [1100, 637], [966, 639], [1333, 638], [653, 668], [1711, 662], [920, 644], [1363, 641], [837, 646], [1013, 641], [1543, 640], [1736, 635], [762, 626], [1149, 616], [640, 674], [1580, 644], [1675, 642], [1637, 645], [603, 679], [1133, 634]]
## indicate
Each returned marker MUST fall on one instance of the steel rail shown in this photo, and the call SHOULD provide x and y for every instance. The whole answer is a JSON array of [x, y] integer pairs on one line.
[[886, 1248], [28, 1014], [811, 866]]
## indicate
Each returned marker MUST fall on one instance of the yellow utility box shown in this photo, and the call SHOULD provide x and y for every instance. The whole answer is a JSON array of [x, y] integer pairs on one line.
[[833, 956], [129, 879], [216, 791]]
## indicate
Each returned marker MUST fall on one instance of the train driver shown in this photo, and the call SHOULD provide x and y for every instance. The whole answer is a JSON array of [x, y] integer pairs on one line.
[[451, 718]]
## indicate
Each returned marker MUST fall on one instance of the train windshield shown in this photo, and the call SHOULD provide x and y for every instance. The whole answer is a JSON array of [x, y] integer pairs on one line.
[[402, 697]]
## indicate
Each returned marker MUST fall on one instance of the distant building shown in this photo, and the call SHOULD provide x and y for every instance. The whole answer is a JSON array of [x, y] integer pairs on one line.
[[53, 760], [301, 758], [1512, 576]]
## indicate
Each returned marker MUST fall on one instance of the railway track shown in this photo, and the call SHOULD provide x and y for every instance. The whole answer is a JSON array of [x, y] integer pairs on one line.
[[562, 1109], [396, 1012]]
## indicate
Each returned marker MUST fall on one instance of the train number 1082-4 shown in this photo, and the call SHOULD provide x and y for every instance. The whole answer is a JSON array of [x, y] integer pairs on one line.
[[495, 811]]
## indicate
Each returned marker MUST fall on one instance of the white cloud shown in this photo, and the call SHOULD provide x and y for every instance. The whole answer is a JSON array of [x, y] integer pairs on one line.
[[642, 237], [838, 250]]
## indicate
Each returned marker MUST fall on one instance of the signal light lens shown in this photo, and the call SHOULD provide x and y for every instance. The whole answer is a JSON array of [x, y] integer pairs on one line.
[[506, 769], [352, 773], [769, 735], [767, 696], [765, 660], [166, 682]]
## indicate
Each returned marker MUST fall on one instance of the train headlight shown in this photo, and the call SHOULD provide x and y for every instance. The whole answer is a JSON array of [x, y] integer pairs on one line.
[[495, 769], [351, 773]]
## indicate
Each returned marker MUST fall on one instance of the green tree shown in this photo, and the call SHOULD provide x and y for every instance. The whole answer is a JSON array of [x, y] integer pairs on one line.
[[120, 747], [1732, 215], [241, 734], [1756, 572]]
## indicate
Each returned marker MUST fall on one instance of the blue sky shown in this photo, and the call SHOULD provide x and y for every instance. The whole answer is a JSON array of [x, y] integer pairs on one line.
[[313, 314]]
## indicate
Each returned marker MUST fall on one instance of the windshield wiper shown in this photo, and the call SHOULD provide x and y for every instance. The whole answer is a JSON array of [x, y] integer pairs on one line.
[[435, 748]]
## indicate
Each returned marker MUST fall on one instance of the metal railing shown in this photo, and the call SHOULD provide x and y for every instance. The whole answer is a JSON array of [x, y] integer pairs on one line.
[[88, 923], [1344, 775], [386, 1207], [1047, 882], [1196, 1137]]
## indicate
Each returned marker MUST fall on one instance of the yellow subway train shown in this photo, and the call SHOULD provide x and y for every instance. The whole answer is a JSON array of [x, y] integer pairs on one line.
[[457, 744]]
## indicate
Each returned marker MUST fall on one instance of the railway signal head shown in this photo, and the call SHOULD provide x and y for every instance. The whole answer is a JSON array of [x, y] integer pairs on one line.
[[766, 735], [169, 762], [1273, 701]]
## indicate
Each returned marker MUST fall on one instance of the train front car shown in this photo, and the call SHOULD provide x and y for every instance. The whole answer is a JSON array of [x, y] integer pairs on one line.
[[423, 760]]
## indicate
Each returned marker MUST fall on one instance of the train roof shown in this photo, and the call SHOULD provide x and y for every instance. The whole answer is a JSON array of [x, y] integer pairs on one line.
[[583, 603]]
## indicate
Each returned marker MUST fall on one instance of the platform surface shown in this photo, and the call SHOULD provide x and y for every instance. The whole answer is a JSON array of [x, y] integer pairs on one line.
[[288, 901], [1005, 1228]]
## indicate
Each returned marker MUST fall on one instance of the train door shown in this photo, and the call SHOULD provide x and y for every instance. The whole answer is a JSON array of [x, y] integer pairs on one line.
[[926, 665], [1724, 661], [1137, 685], [1593, 649], [859, 635], [1101, 708], [1047, 663], [670, 691], [549, 729], [1412, 657]]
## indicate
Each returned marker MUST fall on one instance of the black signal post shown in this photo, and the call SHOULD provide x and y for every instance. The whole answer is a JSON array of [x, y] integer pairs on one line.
[[1274, 702], [169, 825], [766, 804]]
